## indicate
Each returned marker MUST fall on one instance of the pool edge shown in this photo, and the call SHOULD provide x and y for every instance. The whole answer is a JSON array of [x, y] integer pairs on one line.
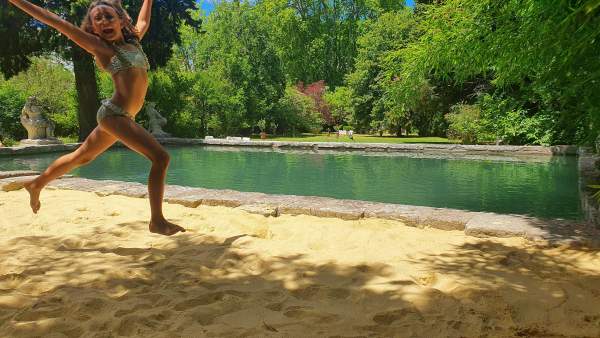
[[551, 232]]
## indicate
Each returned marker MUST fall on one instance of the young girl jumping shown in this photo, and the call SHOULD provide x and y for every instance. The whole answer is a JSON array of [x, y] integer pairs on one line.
[[109, 35]]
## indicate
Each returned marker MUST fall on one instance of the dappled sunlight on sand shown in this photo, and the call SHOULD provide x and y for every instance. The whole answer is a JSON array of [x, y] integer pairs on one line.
[[87, 266]]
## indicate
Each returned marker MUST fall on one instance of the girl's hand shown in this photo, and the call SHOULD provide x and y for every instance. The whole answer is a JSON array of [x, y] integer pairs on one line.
[[143, 20]]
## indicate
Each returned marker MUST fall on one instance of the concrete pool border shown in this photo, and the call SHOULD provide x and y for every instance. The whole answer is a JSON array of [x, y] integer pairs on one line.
[[426, 148], [551, 232]]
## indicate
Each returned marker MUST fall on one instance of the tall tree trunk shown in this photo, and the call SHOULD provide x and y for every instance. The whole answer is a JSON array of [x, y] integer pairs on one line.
[[87, 91]]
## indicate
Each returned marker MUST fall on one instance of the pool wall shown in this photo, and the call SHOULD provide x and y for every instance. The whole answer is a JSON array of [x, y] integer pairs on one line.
[[479, 224], [589, 174], [560, 150]]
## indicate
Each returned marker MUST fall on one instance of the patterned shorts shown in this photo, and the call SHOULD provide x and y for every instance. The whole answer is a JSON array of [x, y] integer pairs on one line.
[[110, 109]]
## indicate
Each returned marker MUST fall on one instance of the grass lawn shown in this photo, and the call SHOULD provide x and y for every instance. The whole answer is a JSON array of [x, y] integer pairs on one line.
[[358, 138]]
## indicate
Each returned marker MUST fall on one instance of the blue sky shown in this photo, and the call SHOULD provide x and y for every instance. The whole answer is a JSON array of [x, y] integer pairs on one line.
[[208, 6]]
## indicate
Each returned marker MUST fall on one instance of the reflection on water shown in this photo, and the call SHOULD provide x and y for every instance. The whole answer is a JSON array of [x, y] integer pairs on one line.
[[543, 188]]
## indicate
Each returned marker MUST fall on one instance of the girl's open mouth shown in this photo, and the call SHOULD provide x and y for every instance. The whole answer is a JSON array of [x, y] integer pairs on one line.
[[108, 31]]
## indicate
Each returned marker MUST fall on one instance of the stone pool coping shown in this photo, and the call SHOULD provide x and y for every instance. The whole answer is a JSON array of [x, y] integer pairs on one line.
[[424, 148], [478, 224]]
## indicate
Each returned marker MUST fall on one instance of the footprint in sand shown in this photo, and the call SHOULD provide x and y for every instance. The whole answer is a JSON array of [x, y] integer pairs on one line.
[[11, 281], [593, 320], [320, 292], [207, 316], [32, 316], [228, 295], [406, 314], [161, 316], [275, 306], [43, 309], [301, 312], [514, 259], [66, 330], [276, 299], [92, 305], [134, 325]]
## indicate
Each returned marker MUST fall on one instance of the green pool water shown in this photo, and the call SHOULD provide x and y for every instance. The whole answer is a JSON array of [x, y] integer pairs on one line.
[[544, 188]]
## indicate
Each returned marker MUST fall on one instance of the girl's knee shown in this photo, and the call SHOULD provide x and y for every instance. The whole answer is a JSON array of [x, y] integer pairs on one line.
[[162, 158]]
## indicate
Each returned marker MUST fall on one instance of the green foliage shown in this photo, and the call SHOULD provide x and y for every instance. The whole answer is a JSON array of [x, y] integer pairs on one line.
[[597, 194], [297, 113], [505, 118], [238, 48], [368, 82], [51, 84], [316, 40], [231, 74], [54, 86], [518, 72], [538, 54], [340, 103], [11, 103], [262, 125], [170, 91], [8, 142], [465, 123], [217, 100], [196, 103]]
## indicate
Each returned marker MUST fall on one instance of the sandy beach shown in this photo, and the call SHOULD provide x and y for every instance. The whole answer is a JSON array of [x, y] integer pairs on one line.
[[86, 266]]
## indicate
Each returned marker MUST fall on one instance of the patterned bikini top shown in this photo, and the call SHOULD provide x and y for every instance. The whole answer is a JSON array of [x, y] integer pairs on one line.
[[125, 59]]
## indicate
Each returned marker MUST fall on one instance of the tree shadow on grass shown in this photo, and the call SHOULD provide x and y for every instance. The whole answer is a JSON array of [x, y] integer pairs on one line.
[[198, 285]]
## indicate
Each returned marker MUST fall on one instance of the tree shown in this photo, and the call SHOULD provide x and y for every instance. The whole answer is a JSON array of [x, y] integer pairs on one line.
[[316, 91], [383, 35], [536, 60], [316, 39], [236, 49], [35, 38], [340, 103], [59, 97], [296, 112]]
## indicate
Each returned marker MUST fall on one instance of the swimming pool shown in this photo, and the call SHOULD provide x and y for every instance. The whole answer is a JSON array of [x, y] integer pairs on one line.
[[547, 188]]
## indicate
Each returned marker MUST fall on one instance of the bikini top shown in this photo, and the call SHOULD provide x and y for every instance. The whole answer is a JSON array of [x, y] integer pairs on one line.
[[125, 59]]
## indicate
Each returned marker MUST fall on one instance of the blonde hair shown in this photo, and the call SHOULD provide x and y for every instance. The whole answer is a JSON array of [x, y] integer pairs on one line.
[[129, 31]]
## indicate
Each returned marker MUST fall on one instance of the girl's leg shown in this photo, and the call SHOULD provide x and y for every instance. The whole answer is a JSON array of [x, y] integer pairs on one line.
[[139, 140], [96, 143]]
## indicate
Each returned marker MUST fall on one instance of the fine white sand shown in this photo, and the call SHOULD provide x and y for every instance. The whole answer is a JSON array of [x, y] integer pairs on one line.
[[87, 266]]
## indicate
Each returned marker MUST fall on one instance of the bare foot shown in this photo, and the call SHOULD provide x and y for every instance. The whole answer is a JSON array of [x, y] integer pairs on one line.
[[34, 196], [165, 227]]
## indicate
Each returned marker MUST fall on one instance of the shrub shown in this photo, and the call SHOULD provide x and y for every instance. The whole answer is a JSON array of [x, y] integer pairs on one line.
[[296, 112], [11, 103], [464, 123], [52, 84]]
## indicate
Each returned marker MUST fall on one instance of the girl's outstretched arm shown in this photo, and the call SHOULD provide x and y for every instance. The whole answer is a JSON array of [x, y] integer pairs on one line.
[[91, 43], [143, 20]]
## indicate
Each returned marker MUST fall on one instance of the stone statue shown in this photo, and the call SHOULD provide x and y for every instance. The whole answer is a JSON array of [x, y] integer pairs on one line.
[[155, 121], [40, 130]]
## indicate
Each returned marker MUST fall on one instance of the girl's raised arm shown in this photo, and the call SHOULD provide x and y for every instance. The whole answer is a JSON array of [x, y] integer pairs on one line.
[[143, 20], [91, 43]]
